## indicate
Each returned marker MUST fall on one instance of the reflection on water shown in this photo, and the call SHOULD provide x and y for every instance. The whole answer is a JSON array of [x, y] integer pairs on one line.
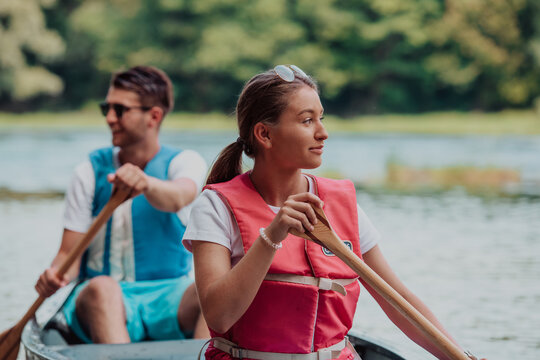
[[473, 261]]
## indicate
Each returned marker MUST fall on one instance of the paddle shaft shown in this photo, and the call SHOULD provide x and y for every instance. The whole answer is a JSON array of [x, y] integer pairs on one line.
[[338, 247], [116, 199], [10, 339]]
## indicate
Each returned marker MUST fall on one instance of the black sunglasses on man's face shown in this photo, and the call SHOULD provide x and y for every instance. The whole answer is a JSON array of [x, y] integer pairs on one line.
[[119, 109]]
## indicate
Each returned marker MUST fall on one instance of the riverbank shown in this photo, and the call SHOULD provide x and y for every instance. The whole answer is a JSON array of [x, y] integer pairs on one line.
[[379, 159], [522, 122]]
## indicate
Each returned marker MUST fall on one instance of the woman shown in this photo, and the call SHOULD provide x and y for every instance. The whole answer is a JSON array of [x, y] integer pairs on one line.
[[263, 290]]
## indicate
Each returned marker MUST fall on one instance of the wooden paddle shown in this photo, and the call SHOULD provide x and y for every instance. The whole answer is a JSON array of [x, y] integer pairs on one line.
[[11, 338], [325, 236]]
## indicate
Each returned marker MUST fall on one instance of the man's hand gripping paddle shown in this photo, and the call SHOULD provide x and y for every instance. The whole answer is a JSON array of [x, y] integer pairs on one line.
[[323, 235], [11, 338]]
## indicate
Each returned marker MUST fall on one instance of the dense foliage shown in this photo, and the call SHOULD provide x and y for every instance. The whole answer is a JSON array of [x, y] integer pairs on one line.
[[368, 56]]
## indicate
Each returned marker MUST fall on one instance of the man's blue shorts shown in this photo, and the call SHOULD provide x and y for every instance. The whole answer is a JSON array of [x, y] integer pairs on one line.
[[151, 309]]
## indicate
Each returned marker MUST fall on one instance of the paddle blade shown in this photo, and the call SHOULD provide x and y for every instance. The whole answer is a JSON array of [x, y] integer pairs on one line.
[[9, 343], [10, 339]]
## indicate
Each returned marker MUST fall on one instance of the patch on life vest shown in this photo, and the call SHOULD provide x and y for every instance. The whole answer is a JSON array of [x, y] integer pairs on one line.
[[329, 253]]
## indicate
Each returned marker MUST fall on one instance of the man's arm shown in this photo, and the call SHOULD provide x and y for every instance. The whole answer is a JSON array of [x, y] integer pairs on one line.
[[164, 195], [187, 173], [48, 283], [170, 195], [77, 218]]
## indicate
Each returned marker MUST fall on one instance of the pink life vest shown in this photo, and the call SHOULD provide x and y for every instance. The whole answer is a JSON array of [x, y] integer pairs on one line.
[[288, 317]]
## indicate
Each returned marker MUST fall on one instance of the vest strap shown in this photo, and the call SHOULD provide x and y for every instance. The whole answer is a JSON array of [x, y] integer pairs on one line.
[[232, 349], [337, 285]]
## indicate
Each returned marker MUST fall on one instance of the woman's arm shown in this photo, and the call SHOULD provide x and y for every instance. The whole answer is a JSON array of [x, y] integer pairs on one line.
[[225, 292], [376, 261]]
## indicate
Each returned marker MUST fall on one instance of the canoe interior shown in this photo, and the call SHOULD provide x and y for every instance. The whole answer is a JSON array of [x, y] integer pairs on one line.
[[47, 337], [49, 344]]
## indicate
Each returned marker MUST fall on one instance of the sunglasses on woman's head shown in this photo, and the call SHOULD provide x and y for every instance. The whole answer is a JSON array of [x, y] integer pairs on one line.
[[286, 72], [119, 109]]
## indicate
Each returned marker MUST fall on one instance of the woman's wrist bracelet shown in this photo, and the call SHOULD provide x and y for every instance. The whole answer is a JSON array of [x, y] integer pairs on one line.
[[268, 241]]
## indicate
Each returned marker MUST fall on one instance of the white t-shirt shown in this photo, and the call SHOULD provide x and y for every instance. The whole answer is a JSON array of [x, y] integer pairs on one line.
[[213, 221], [79, 196]]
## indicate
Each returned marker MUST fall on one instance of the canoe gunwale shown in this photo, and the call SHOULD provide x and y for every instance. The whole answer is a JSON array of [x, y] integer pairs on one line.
[[36, 349]]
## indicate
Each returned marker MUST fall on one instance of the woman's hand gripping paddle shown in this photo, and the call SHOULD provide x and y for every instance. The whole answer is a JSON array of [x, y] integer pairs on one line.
[[323, 235], [11, 338]]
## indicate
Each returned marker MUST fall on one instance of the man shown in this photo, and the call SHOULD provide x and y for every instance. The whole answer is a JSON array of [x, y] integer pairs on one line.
[[136, 270]]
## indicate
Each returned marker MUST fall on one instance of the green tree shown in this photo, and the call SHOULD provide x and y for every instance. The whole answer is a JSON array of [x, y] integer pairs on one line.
[[534, 46], [375, 48], [208, 47], [27, 46], [481, 50], [367, 55]]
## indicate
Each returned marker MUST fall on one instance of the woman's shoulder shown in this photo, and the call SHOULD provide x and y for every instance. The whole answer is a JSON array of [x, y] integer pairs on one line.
[[208, 197], [210, 202], [210, 220]]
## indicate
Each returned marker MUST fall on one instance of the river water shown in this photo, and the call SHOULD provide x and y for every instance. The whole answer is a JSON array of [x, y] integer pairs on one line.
[[473, 260]]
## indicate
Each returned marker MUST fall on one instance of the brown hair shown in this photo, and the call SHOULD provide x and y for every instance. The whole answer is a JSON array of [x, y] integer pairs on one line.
[[263, 99], [151, 84]]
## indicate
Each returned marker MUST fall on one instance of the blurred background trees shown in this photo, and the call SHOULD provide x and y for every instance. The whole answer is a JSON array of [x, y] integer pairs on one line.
[[27, 48], [368, 56]]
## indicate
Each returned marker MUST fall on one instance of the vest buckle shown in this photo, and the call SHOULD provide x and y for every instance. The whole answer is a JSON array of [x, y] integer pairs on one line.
[[325, 284], [236, 352]]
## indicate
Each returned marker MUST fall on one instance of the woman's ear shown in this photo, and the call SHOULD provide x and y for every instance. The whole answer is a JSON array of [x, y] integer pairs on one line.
[[262, 135]]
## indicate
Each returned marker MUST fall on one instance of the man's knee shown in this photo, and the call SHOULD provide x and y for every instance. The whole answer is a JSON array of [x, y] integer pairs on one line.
[[190, 300], [189, 309], [100, 293], [100, 311]]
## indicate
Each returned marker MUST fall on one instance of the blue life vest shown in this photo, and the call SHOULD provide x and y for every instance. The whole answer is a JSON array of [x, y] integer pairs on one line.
[[155, 236]]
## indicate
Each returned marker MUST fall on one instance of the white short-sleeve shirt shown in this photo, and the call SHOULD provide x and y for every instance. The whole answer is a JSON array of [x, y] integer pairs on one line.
[[79, 196], [213, 221]]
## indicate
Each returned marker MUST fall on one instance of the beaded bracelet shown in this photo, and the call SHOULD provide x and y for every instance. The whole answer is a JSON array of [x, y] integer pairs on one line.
[[268, 241]]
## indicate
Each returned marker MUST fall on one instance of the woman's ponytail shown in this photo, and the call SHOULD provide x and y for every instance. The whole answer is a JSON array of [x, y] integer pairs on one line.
[[228, 164]]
